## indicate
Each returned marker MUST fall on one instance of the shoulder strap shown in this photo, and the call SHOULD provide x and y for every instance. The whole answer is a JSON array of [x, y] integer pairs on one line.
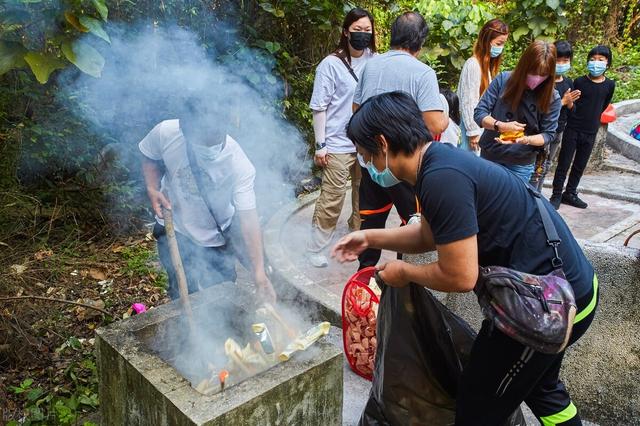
[[346, 64], [553, 239], [198, 175]]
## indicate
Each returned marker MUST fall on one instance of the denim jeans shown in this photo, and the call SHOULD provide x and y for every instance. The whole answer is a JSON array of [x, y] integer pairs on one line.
[[524, 172]]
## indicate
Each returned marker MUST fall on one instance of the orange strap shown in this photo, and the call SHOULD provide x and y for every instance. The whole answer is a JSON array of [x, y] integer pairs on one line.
[[377, 211]]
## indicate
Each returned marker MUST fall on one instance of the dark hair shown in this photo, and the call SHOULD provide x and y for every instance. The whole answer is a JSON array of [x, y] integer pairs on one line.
[[409, 31], [202, 120], [604, 51], [563, 49], [539, 58], [343, 46], [482, 51], [394, 115], [454, 104]]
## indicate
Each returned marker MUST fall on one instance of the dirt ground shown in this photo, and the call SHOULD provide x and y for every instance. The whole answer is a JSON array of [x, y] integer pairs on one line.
[[47, 366]]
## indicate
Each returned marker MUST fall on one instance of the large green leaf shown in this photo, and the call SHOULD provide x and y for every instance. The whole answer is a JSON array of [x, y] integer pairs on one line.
[[42, 65], [95, 27], [553, 4], [102, 9], [83, 56], [11, 56], [519, 32]]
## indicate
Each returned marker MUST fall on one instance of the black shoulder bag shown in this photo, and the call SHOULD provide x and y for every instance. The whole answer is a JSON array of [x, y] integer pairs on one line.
[[535, 310], [346, 64]]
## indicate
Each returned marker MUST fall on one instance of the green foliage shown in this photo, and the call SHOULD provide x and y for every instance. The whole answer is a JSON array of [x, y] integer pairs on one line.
[[454, 29], [531, 19], [63, 406], [44, 35], [141, 261]]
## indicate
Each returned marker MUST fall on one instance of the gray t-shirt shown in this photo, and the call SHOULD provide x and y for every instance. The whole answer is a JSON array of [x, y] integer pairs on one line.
[[398, 70]]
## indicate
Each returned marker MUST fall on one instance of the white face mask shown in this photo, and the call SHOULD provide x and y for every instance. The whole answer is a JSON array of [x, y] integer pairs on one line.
[[208, 153]]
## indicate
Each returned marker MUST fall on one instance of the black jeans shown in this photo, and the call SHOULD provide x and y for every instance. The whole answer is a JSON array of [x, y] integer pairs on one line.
[[203, 266], [502, 373], [580, 144], [375, 205]]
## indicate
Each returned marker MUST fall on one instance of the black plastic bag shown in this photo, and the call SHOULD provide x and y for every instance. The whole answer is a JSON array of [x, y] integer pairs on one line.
[[422, 348]]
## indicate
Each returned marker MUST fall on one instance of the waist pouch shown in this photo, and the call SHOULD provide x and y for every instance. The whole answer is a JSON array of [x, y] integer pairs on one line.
[[535, 310]]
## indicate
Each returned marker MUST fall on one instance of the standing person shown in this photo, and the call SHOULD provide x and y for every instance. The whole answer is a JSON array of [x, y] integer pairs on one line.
[[474, 213], [194, 168], [520, 111], [564, 86], [397, 69], [596, 92], [451, 134], [331, 102], [477, 73]]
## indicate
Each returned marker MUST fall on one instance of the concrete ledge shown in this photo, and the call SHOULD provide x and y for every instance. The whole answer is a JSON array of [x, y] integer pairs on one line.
[[295, 284], [618, 137], [602, 370]]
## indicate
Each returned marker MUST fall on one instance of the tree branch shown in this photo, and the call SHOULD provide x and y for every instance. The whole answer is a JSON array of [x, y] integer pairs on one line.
[[49, 299]]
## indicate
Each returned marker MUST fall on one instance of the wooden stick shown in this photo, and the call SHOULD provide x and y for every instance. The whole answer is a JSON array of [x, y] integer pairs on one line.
[[293, 333], [49, 299], [177, 265]]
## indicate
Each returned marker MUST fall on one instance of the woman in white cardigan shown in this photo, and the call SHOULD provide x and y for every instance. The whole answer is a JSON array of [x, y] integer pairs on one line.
[[477, 73]]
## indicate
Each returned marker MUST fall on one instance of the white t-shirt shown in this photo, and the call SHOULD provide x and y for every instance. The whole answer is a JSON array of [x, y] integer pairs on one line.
[[333, 90], [452, 133], [232, 176]]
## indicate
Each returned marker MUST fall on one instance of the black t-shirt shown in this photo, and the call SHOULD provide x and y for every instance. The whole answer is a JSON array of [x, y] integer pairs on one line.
[[594, 99], [562, 87], [462, 195]]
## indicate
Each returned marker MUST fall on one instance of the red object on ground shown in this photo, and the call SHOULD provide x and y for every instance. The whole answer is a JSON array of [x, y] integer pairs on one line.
[[609, 115], [359, 319]]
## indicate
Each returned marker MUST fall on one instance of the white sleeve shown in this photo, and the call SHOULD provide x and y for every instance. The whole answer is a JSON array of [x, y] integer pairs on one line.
[[469, 95], [324, 86], [244, 196], [320, 125], [152, 145]]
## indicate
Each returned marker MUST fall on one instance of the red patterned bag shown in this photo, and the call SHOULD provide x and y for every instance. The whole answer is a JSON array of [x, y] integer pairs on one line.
[[360, 300]]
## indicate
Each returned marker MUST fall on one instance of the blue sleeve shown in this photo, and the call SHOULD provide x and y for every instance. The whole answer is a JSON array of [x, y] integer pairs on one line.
[[452, 213], [549, 121], [488, 100]]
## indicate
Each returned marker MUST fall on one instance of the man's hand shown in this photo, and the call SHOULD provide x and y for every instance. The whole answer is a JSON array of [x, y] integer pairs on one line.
[[158, 201], [392, 273], [350, 246], [321, 158], [473, 142], [266, 293]]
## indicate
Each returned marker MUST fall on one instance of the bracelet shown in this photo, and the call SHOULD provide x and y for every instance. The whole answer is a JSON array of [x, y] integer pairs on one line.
[[320, 145], [495, 126]]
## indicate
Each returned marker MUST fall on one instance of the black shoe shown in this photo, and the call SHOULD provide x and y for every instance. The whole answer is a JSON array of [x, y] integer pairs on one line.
[[555, 201], [573, 200]]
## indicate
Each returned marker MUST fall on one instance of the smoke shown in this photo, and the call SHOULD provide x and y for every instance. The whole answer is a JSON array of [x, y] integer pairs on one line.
[[150, 72], [153, 74]]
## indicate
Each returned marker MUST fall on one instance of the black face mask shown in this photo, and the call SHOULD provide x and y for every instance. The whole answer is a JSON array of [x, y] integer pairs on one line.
[[360, 40]]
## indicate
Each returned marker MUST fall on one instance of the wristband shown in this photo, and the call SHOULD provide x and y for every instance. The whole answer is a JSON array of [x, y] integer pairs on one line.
[[495, 126], [320, 145]]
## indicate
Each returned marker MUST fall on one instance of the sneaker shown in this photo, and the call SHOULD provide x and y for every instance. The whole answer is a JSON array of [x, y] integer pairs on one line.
[[318, 260], [573, 200], [555, 201]]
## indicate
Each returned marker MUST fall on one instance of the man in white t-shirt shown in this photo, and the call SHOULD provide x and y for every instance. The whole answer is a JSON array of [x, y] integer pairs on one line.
[[211, 233]]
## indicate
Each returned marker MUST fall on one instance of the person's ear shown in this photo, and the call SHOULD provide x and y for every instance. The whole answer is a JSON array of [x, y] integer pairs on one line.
[[382, 141]]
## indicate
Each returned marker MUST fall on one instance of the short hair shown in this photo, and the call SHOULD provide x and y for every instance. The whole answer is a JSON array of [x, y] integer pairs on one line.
[[604, 51], [563, 49], [396, 116], [409, 31]]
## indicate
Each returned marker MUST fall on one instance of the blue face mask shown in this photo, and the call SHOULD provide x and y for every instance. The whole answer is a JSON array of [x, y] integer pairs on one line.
[[562, 69], [496, 51], [385, 178], [207, 153], [597, 68]]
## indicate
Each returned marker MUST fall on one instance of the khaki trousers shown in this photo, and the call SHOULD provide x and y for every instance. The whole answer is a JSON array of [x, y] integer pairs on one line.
[[329, 204]]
